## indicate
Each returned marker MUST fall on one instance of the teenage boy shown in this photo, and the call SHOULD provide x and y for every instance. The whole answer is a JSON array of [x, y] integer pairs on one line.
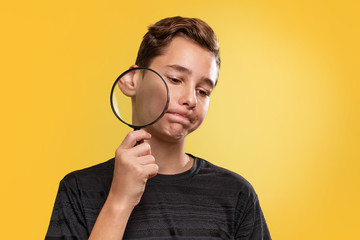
[[155, 190]]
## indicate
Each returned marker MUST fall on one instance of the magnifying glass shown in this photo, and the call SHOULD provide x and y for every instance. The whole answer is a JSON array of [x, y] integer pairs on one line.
[[139, 97]]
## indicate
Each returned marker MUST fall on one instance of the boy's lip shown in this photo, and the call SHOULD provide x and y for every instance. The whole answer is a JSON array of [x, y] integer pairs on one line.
[[181, 115]]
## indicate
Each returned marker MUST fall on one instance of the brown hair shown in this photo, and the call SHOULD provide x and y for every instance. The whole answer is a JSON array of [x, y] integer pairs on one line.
[[161, 33]]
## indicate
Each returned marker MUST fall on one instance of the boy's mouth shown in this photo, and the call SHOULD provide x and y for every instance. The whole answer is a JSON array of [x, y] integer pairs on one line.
[[179, 116]]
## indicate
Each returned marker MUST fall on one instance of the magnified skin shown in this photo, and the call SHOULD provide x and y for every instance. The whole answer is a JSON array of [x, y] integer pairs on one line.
[[150, 99]]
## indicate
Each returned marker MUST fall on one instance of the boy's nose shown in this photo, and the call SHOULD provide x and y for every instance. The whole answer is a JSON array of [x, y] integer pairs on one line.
[[189, 98]]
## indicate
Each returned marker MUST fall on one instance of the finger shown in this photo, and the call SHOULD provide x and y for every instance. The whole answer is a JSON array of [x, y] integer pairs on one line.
[[142, 149], [134, 136], [145, 160], [151, 170]]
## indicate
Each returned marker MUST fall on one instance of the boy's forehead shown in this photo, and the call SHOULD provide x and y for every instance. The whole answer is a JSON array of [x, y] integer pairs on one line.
[[186, 56]]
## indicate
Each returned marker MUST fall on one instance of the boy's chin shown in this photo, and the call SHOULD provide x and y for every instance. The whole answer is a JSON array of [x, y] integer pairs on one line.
[[173, 133]]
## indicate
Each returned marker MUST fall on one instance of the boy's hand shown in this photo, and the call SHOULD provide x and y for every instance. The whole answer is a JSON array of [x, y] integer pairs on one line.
[[134, 165]]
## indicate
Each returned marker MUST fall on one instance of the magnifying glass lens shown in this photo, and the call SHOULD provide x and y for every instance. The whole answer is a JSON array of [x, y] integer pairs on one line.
[[139, 97]]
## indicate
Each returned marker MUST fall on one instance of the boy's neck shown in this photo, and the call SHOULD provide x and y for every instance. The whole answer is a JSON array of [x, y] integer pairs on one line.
[[170, 156]]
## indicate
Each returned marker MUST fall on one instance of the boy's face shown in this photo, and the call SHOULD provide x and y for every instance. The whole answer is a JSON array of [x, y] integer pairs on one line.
[[190, 72]]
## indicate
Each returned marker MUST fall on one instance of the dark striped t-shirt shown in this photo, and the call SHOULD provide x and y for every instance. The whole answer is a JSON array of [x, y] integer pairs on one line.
[[205, 202]]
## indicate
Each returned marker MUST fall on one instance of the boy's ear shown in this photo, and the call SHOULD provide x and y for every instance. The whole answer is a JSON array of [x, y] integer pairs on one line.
[[127, 83]]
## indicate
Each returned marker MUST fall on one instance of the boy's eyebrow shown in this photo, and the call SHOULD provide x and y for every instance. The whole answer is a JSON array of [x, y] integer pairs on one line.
[[189, 72], [180, 68]]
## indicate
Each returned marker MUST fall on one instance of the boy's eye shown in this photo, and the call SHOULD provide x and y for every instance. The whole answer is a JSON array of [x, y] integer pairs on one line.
[[174, 80], [203, 92]]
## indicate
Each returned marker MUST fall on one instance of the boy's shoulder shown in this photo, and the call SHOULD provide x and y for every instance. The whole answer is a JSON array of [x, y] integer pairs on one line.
[[219, 177], [206, 174], [101, 173]]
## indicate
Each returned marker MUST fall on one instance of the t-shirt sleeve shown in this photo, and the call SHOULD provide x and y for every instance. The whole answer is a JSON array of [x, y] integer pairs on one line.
[[251, 223], [67, 219]]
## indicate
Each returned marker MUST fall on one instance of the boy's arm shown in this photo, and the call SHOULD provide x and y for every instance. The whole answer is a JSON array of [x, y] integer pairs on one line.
[[133, 166], [112, 220]]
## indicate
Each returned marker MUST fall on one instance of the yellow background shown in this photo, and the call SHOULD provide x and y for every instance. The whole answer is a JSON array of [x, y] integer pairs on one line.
[[285, 114]]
